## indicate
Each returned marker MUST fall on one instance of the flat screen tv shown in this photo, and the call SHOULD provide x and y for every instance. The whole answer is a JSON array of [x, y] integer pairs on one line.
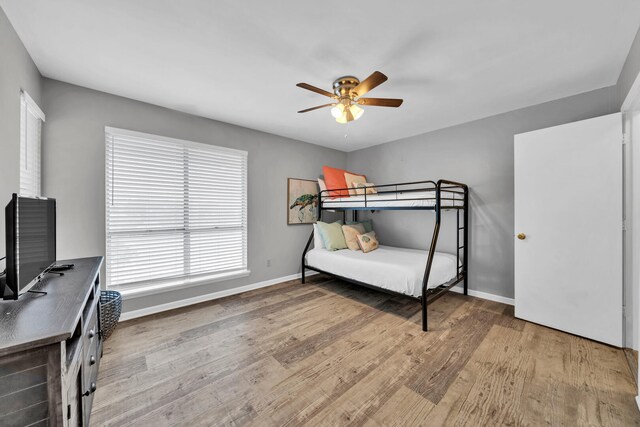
[[31, 241]]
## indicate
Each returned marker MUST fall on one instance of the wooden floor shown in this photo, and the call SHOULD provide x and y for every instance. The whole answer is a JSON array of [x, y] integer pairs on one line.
[[330, 353]]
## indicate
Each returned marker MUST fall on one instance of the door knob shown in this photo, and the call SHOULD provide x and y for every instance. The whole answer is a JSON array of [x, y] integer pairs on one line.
[[522, 236]]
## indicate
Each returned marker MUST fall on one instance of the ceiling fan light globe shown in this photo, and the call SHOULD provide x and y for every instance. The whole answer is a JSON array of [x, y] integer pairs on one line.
[[342, 119], [337, 111], [356, 111]]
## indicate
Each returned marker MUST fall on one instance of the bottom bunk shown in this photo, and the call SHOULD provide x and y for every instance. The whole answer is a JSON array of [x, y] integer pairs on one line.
[[398, 270]]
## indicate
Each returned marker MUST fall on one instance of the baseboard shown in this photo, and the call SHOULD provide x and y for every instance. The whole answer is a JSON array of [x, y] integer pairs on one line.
[[484, 295], [208, 297], [233, 291]]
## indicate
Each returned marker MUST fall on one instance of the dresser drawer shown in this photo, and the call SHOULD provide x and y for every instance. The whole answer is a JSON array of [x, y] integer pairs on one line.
[[90, 347], [90, 330], [88, 391], [92, 355]]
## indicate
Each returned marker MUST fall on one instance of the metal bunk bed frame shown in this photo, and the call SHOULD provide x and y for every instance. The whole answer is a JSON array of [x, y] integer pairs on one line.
[[450, 190]]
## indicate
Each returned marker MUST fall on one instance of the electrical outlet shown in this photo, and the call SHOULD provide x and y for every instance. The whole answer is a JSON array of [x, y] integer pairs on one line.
[[268, 263]]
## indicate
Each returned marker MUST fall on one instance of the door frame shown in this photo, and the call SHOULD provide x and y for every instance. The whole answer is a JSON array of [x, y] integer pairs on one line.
[[631, 113]]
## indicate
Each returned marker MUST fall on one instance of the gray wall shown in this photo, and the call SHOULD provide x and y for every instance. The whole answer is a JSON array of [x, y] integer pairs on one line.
[[73, 173], [17, 71], [630, 70], [480, 154]]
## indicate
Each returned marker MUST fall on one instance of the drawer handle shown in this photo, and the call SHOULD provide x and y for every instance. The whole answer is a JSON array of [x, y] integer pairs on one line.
[[92, 360], [92, 333], [92, 389]]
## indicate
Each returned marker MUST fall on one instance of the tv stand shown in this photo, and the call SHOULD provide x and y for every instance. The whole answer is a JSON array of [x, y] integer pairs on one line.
[[50, 349]]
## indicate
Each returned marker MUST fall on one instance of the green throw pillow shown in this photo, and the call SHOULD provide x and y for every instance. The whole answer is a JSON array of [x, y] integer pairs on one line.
[[368, 224], [332, 235]]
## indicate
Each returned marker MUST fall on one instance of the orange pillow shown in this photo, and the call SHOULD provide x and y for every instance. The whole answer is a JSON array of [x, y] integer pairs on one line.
[[334, 179]]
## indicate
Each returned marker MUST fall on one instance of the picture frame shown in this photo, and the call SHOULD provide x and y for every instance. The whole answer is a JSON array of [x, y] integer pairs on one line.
[[302, 201]]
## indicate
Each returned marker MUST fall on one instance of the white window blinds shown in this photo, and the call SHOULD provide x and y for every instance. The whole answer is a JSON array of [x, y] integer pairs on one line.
[[174, 210], [31, 118]]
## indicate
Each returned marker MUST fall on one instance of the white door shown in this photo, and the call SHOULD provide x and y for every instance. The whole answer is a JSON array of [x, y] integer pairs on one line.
[[568, 228]]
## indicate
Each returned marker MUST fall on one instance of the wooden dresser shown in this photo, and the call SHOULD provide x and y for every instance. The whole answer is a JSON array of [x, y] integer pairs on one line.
[[50, 349]]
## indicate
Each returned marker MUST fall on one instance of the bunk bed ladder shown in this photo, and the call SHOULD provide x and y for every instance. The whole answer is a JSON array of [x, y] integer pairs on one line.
[[462, 269], [432, 251], [465, 240], [458, 247]]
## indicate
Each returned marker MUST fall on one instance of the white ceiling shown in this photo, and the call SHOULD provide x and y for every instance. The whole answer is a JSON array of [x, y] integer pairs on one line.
[[239, 61]]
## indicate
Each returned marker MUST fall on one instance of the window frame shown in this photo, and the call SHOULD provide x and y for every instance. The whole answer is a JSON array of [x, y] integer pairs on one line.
[[181, 282], [29, 107]]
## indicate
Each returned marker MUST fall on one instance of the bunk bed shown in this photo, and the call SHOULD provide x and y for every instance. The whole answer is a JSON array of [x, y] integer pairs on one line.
[[397, 270]]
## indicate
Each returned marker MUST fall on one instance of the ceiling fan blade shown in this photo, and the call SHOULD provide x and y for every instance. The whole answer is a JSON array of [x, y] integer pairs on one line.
[[380, 102], [374, 80], [315, 108], [316, 90]]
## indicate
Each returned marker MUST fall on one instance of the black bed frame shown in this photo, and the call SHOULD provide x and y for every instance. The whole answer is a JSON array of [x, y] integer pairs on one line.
[[446, 191]]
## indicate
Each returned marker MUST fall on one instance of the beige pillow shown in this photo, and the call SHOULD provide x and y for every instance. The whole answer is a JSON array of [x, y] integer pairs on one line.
[[352, 179], [368, 241], [367, 186], [351, 233], [323, 187]]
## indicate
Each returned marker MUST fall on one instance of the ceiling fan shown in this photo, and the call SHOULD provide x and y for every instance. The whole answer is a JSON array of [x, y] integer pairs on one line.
[[347, 95]]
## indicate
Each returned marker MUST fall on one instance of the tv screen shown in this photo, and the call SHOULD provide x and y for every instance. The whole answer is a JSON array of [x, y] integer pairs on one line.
[[31, 240]]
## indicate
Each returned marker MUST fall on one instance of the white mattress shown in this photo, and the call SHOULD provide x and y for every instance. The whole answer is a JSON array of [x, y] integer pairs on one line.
[[425, 198], [397, 269]]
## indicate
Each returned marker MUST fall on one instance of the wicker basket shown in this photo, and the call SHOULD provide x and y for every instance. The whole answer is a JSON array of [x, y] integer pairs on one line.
[[110, 309]]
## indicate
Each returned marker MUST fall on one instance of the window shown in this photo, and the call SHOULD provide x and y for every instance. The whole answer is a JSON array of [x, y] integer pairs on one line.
[[31, 118], [176, 212]]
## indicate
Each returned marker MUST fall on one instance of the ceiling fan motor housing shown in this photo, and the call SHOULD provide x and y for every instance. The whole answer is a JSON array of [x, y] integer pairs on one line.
[[343, 86]]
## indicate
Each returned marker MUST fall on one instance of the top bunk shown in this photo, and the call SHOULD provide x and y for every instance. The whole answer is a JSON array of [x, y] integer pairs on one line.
[[419, 195]]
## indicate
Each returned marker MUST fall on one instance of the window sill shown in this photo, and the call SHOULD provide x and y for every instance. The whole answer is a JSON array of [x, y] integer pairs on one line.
[[177, 284]]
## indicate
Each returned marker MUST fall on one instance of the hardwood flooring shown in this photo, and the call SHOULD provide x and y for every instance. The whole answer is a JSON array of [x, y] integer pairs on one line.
[[330, 353], [632, 361]]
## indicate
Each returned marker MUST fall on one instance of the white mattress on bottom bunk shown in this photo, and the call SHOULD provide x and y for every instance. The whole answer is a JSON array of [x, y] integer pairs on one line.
[[397, 269], [399, 199]]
